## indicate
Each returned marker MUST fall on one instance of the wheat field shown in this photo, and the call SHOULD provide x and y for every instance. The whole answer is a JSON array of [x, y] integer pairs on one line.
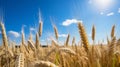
[[31, 53]]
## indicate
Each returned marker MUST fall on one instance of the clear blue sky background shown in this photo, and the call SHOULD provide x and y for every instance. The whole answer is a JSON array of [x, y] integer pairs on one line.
[[17, 13]]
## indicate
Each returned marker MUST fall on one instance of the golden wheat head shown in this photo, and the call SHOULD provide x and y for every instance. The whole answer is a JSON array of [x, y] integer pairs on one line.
[[67, 40], [113, 31], [23, 36], [93, 33], [83, 36], [37, 44], [40, 28], [45, 64], [56, 31], [4, 36]]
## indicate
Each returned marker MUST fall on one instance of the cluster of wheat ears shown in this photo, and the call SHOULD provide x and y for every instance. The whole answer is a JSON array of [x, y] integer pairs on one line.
[[83, 54]]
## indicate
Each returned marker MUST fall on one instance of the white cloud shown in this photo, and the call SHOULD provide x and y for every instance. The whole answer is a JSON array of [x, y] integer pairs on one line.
[[63, 35], [118, 10], [32, 29], [16, 34], [68, 22], [110, 14], [0, 32]]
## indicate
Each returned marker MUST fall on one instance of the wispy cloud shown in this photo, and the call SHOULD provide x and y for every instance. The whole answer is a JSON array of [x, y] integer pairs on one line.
[[14, 33], [118, 10], [68, 22], [0, 32], [63, 35], [32, 29], [110, 14]]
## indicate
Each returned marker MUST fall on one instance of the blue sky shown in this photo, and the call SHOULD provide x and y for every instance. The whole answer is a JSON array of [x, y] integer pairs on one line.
[[64, 14]]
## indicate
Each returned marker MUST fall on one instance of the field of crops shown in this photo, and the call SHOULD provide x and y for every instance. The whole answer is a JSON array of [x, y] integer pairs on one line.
[[31, 53]]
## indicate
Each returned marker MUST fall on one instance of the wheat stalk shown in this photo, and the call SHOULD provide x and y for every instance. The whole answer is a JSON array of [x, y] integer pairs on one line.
[[98, 63], [40, 24], [83, 36], [50, 52], [30, 37], [108, 42], [10, 52]]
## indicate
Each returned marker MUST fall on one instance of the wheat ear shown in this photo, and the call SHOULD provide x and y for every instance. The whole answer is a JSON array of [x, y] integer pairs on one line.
[[83, 36], [56, 31], [40, 28], [113, 31], [67, 40], [73, 41], [20, 60], [67, 50], [23, 36], [45, 64], [37, 44], [4, 36], [93, 33], [31, 45], [111, 47]]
